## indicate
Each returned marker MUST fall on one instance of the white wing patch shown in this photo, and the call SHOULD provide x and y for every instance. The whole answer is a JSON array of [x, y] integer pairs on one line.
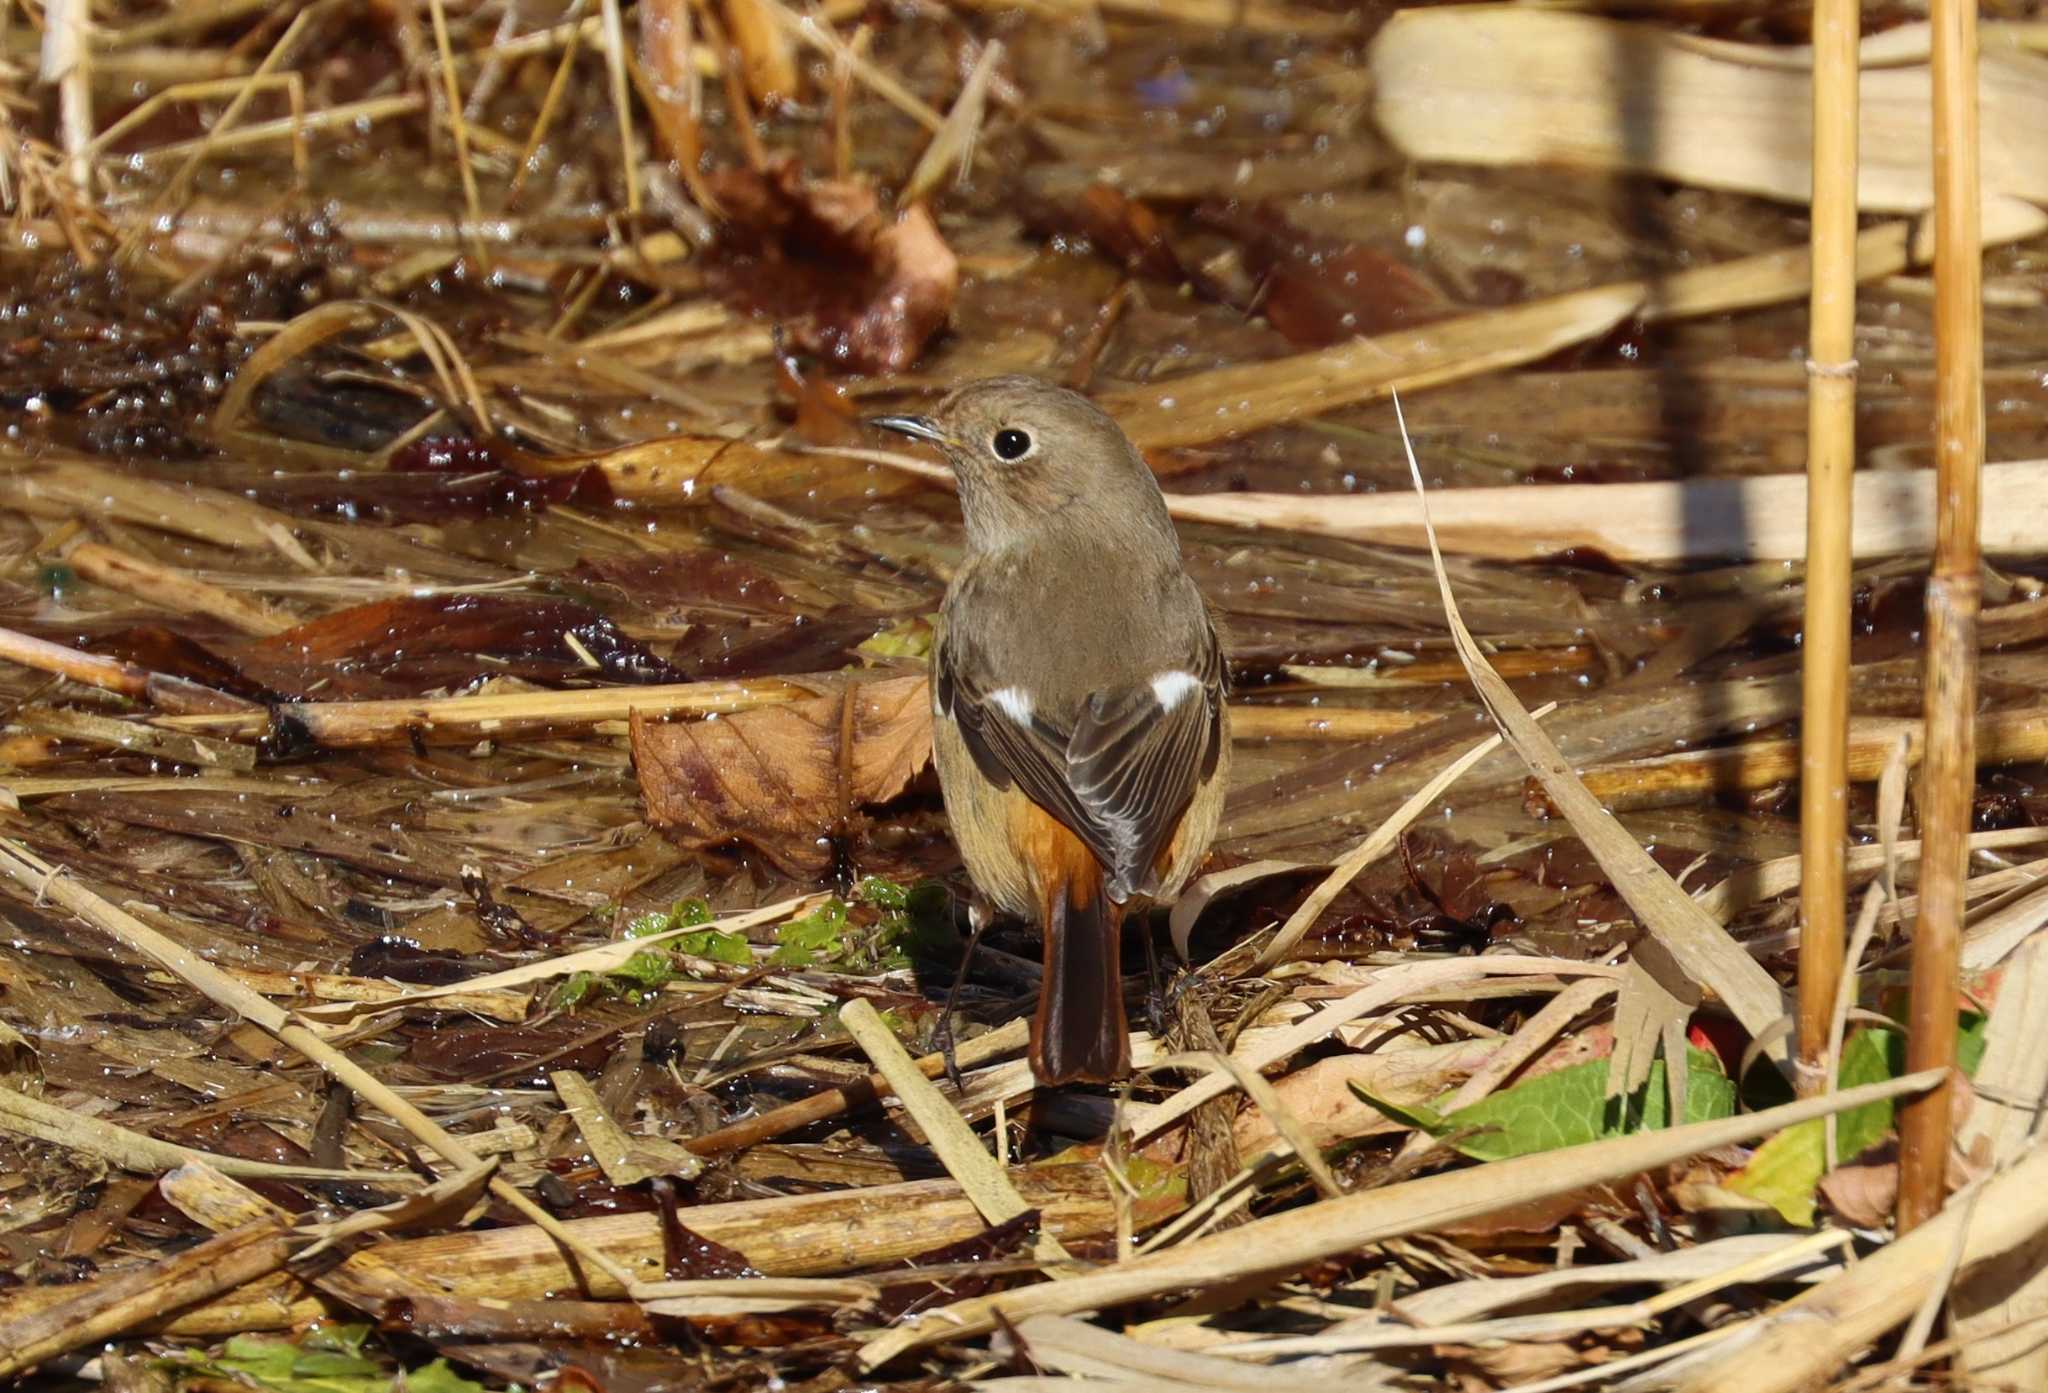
[[1173, 688], [1014, 702]]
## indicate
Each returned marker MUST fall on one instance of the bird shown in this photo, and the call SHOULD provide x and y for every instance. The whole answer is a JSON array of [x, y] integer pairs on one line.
[[1079, 696]]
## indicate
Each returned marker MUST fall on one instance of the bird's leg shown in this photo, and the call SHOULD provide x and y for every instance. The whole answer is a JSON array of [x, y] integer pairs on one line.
[[979, 915], [1155, 988]]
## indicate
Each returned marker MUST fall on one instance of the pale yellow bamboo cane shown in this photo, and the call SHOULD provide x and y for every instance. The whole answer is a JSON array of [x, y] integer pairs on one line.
[[1830, 474]]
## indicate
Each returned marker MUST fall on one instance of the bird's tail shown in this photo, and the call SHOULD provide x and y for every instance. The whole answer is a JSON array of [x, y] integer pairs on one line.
[[1079, 1034]]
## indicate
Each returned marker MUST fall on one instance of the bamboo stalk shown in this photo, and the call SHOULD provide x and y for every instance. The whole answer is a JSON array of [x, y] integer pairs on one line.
[[1954, 594], [1830, 478]]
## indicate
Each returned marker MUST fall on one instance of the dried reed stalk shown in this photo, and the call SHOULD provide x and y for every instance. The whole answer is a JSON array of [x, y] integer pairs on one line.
[[169, 588], [1830, 553], [1954, 595], [110, 1306], [813, 1234], [2002, 737], [66, 62], [1269, 1247], [462, 719], [1235, 400]]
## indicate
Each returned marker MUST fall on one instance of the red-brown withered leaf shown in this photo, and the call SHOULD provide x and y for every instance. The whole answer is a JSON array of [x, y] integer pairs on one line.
[[784, 778], [860, 287]]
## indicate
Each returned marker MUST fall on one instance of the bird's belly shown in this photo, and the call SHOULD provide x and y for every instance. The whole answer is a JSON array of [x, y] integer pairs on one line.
[[979, 814]]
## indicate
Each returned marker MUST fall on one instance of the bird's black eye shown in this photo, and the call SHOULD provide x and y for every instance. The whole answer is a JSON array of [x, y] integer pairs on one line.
[[1011, 444]]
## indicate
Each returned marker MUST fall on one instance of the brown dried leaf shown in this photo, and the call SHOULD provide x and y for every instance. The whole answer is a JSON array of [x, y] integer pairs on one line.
[[859, 288], [780, 778], [1323, 1096], [1866, 1192], [1317, 290]]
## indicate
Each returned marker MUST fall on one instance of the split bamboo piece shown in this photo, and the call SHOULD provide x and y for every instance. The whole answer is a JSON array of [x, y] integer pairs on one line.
[[463, 719], [1954, 595], [982, 1177], [1760, 518], [1518, 85], [1830, 476]]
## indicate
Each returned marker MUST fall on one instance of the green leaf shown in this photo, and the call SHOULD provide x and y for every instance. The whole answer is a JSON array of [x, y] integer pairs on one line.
[[883, 894], [819, 936], [575, 990], [337, 1339], [1785, 1172], [319, 1365], [1568, 1108], [718, 946], [648, 970], [684, 914], [647, 925], [437, 1377], [330, 1359], [906, 638]]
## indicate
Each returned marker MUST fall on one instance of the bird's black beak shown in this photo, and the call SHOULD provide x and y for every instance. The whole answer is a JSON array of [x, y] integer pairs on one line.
[[916, 427]]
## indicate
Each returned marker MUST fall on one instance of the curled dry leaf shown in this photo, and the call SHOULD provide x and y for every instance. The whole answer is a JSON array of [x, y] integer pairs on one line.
[[1865, 1193], [1323, 1095], [858, 287], [783, 778]]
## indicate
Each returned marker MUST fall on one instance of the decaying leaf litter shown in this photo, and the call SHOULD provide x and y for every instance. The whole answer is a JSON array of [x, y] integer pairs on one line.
[[476, 893]]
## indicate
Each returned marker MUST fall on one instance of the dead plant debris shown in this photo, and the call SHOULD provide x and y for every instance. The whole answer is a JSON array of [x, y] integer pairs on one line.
[[476, 907]]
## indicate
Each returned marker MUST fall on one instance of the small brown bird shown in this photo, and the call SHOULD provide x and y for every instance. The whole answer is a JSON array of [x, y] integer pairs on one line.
[[1077, 694]]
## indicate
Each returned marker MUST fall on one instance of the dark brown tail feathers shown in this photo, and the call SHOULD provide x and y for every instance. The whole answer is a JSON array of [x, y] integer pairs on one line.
[[1079, 1034]]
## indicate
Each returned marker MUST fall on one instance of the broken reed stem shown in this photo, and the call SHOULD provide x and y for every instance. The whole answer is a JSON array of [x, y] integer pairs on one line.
[[1954, 593], [1830, 475], [853, 1095], [174, 590], [457, 125], [66, 62], [111, 1306]]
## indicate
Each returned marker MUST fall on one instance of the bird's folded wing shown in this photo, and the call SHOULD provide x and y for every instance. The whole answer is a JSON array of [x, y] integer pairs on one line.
[[1119, 775]]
